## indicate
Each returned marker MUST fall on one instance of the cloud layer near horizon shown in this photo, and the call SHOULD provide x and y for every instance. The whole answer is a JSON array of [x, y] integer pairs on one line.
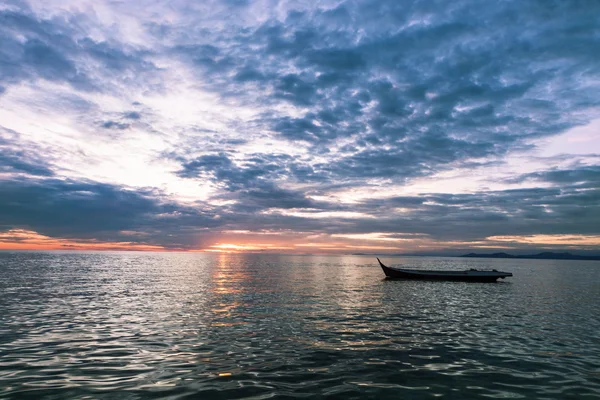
[[290, 126]]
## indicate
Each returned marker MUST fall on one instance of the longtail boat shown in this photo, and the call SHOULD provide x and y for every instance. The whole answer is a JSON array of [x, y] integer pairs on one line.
[[469, 275]]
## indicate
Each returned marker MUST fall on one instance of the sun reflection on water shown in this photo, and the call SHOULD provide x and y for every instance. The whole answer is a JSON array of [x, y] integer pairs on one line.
[[233, 325]]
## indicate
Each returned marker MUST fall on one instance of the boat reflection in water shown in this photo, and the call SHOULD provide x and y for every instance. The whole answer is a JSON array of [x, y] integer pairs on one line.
[[470, 275]]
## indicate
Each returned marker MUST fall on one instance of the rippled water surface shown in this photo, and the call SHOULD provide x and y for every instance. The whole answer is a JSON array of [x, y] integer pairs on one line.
[[139, 325]]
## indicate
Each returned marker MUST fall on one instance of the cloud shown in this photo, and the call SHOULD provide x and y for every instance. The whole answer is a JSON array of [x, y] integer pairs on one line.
[[581, 177], [132, 115], [19, 161], [16, 160], [374, 75], [75, 209], [249, 183], [246, 117], [265, 196], [553, 210], [59, 49], [221, 169], [115, 125]]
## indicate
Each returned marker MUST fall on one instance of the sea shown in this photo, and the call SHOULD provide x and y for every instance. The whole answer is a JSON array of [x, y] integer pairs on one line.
[[129, 325]]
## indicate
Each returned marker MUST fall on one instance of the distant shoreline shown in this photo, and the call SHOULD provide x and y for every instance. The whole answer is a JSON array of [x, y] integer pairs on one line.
[[539, 256]]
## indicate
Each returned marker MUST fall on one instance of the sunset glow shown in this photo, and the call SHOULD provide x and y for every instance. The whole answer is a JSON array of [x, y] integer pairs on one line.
[[19, 239]]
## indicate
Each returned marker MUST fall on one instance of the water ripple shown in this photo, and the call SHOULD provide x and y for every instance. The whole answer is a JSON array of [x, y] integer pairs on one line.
[[133, 325]]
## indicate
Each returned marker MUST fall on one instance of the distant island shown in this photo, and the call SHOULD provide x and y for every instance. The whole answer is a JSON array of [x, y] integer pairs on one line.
[[540, 256]]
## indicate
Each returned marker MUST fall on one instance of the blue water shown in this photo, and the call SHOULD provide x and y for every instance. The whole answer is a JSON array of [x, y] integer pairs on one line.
[[139, 325]]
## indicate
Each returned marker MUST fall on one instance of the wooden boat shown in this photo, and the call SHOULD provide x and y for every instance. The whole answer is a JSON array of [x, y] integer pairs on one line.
[[470, 275]]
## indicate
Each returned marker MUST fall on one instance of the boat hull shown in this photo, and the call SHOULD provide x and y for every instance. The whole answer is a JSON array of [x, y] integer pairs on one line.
[[460, 276]]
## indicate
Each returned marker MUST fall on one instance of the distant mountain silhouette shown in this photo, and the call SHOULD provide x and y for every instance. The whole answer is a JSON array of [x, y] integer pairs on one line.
[[548, 255]]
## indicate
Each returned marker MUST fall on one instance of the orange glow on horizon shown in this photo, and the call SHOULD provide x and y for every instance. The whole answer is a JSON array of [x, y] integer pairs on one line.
[[22, 239], [303, 243]]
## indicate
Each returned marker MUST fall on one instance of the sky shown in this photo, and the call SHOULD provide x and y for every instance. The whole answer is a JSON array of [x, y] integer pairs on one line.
[[379, 127]]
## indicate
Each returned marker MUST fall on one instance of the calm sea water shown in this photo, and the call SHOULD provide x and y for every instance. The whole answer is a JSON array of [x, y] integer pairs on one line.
[[139, 325]]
